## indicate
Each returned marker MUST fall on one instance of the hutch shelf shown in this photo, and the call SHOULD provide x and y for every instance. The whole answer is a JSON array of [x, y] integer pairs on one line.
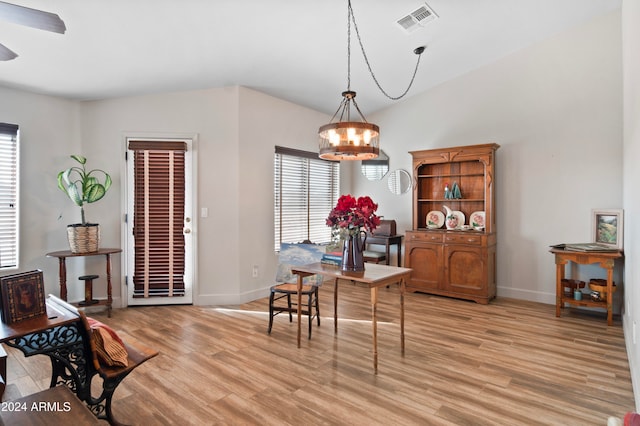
[[455, 263]]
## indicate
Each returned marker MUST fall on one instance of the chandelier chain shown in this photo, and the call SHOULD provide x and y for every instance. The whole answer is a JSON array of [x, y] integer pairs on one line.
[[352, 17], [349, 14]]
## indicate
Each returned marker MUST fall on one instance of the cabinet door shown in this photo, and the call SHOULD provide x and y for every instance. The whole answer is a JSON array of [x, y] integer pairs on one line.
[[425, 260], [465, 269]]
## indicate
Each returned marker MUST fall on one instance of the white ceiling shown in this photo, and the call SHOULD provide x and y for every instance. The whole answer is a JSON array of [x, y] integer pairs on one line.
[[291, 49]]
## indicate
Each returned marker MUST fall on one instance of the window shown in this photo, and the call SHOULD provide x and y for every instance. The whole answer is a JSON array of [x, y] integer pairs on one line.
[[306, 188], [8, 196]]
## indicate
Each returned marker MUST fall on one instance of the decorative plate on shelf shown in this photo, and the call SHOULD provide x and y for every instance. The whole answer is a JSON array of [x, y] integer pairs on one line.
[[435, 219], [477, 219]]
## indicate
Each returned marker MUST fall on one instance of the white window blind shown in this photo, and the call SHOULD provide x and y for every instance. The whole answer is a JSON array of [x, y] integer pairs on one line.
[[8, 196], [306, 188]]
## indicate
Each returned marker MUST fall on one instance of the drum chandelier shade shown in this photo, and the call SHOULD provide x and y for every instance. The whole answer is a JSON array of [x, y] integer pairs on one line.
[[354, 140], [349, 140]]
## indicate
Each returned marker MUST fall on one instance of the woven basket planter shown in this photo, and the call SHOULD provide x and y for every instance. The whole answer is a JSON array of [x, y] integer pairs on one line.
[[83, 238]]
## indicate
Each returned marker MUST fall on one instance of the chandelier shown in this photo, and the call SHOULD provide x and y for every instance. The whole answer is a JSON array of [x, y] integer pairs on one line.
[[354, 140], [346, 139]]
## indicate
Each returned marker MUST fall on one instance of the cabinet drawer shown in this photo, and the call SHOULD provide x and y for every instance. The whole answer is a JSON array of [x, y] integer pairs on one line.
[[427, 237], [463, 239]]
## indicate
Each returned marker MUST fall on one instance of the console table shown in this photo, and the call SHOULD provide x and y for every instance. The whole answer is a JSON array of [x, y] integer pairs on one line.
[[605, 259], [62, 257], [387, 242]]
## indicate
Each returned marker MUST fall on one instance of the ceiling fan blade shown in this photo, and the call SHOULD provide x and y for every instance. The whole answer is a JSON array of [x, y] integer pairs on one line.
[[31, 18], [7, 54]]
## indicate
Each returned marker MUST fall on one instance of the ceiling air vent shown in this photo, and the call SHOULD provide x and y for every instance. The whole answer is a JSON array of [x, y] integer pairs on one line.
[[417, 18]]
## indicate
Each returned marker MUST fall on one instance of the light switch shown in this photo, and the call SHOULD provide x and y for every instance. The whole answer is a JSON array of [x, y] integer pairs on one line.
[[204, 212]]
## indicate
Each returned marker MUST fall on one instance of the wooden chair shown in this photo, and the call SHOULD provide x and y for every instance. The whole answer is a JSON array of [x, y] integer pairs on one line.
[[386, 228], [280, 291], [112, 376], [296, 254], [374, 256]]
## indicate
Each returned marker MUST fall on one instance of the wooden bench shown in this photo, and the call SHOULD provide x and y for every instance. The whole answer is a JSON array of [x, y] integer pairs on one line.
[[111, 375]]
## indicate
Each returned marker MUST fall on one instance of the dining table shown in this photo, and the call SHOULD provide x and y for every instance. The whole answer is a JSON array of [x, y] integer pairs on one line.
[[373, 277]]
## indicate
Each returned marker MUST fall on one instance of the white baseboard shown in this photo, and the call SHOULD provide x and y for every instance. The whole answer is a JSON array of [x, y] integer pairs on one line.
[[529, 295], [230, 299]]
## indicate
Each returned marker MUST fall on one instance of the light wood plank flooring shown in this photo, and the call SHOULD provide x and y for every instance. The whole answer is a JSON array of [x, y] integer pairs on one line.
[[506, 363]]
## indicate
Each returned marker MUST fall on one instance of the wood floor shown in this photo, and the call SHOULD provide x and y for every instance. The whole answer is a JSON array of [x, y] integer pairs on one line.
[[506, 363]]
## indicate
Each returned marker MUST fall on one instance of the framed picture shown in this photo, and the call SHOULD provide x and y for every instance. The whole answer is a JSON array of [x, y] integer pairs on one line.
[[607, 227], [22, 296]]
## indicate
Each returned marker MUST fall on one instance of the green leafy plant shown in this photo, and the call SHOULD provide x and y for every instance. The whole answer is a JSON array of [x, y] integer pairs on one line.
[[81, 186]]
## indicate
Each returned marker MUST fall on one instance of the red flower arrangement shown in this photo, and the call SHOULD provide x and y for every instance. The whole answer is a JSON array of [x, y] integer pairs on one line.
[[349, 216]]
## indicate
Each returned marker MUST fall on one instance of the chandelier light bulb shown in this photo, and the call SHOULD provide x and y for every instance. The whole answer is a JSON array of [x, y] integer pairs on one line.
[[367, 137], [334, 137]]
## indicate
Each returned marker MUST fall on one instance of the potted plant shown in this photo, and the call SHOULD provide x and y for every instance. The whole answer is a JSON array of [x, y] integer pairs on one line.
[[82, 186]]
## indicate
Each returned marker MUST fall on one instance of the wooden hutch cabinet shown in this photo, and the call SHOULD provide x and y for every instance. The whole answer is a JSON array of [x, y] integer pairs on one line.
[[457, 263]]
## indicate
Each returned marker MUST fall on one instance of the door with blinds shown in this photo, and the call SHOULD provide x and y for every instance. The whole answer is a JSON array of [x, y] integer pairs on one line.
[[160, 248]]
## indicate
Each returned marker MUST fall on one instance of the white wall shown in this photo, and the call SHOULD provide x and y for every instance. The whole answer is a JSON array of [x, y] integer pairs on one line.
[[237, 130], [631, 70], [556, 110], [264, 123], [210, 114], [49, 132]]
